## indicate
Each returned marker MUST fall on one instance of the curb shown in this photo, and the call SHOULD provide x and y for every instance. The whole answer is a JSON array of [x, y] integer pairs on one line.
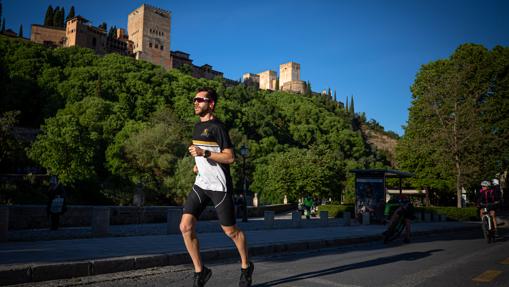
[[27, 273]]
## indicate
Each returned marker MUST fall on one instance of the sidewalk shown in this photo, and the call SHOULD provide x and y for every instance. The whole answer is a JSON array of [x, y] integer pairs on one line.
[[22, 262]]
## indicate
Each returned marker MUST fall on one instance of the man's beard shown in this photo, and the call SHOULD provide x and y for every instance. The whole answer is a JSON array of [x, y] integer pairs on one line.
[[203, 112]]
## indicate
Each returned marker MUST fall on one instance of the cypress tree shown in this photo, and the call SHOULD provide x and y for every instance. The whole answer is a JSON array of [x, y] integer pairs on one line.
[[346, 104], [1, 9], [3, 25], [335, 99], [112, 33], [20, 34], [61, 18], [71, 14], [352, 109], [56, 14], [48, 19], [103, 26]]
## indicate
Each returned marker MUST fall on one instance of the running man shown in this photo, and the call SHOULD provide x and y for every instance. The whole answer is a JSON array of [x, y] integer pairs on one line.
[[213, 153]]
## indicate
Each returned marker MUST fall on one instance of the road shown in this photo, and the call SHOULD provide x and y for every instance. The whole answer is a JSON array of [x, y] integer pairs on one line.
[[462, 259]]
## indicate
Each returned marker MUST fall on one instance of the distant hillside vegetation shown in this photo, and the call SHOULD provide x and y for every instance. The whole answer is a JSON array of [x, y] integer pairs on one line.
[[383, 141]]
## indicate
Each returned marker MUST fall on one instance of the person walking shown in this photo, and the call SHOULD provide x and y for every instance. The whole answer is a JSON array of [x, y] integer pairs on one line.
[[308, 204], [56, 202], [212, 150]]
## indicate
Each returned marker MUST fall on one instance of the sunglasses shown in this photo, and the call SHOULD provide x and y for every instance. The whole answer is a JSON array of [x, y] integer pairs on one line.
[[201, 100]]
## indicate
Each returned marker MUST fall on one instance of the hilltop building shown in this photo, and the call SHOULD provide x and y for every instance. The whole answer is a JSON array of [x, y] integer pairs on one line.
[[268, 80], [147, 38], [149, 29], [181, 60], [251, 79], [79, 32], [289, 79]]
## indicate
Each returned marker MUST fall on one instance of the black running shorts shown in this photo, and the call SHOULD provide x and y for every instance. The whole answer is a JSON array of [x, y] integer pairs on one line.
[[199, 198]]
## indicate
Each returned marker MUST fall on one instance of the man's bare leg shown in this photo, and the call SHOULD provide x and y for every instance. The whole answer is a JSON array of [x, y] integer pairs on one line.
[[188, 229], [240, 241]]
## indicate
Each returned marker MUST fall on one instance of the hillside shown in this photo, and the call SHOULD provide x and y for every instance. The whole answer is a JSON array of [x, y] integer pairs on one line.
[[381, 140]]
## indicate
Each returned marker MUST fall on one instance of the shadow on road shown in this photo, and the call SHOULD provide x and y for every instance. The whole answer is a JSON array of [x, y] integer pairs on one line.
[[410, 256]]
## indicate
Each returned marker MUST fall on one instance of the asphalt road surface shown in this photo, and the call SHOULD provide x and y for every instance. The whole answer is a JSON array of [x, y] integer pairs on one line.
[[461, 259]]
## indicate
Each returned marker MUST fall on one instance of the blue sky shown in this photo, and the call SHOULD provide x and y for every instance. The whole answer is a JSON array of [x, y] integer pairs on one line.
[[369, 49]]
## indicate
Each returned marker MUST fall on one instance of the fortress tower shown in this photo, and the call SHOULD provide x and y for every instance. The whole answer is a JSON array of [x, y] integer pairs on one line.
[[268, 80], [289, 78], [149, 30], [289, 72]]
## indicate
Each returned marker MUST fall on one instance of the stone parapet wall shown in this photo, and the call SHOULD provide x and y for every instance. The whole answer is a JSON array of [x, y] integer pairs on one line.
[[294, 86], [34, 216]]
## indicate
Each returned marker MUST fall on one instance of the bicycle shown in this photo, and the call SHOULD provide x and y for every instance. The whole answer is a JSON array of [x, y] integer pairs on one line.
[[394, 230], [488, 226]]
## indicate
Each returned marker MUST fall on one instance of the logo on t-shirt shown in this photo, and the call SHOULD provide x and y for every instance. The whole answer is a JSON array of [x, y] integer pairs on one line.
[[205, 133]]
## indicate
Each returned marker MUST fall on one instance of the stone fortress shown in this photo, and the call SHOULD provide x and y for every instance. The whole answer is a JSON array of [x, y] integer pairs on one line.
[[289, 79], [147, 38]]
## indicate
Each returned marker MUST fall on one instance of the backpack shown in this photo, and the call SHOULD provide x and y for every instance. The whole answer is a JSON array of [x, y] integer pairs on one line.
[[57, 205]]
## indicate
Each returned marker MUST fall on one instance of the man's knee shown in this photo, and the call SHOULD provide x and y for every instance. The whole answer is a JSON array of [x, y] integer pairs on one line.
[[232, 232], [187, 225]]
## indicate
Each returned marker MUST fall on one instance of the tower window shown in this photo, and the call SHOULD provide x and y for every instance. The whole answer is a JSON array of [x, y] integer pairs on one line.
[[150, 45], [161, 47], [157, 46]]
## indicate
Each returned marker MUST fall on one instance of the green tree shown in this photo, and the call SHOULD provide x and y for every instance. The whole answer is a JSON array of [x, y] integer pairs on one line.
[[447, 139], [296, 173], [71, 145], [8, 142], [103, 26], [149, 155], [56, 17], [71, 14], [48, 19], [61, 18], [112, 32], [351, 107]]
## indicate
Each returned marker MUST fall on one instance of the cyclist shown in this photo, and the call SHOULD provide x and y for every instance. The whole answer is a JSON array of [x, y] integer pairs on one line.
[[488, 198], [308, 204], [405, 209]]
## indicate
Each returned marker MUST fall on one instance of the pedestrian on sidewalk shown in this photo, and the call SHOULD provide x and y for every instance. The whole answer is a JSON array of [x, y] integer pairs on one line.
[[308, 204], [212, 150], [56, 202]]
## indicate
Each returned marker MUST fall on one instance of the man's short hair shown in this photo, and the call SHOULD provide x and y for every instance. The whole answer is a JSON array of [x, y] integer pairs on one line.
[[211, 93]]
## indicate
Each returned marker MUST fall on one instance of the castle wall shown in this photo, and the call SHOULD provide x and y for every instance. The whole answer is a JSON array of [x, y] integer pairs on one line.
[[294, 86], [49, 36]]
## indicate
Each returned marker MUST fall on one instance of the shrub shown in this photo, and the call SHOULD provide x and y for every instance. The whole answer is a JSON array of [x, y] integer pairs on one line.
[[453, 213], [336, 210]]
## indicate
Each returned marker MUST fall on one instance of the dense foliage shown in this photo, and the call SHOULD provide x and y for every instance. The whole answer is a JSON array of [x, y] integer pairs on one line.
[[453, 213], [458, 129], [112, 125]]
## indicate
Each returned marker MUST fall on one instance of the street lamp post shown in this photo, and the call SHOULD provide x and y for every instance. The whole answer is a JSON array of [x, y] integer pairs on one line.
[[244, 153]]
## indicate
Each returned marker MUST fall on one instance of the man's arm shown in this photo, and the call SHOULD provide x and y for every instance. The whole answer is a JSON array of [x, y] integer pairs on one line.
[[226, 156]]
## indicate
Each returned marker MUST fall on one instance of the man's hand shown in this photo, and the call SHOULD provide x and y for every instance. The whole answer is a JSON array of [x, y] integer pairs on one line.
[[195, 169], [195, 151]]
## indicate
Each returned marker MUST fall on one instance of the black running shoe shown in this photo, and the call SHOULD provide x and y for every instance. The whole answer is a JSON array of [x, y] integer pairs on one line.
[[202, 277], [246, 275]]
